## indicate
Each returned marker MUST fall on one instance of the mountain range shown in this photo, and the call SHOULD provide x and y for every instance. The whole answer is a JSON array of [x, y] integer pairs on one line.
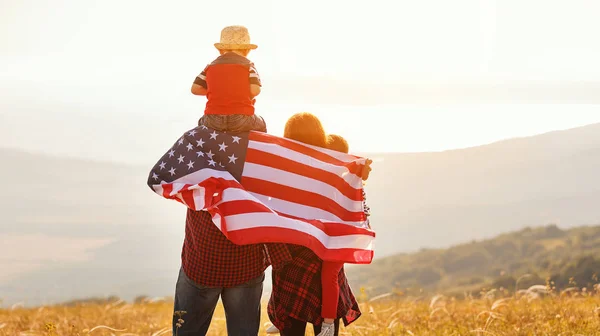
[[73, 228]]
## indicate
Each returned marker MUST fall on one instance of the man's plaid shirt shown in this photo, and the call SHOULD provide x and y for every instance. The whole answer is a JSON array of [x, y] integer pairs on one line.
[[210, 260], [297, 291]]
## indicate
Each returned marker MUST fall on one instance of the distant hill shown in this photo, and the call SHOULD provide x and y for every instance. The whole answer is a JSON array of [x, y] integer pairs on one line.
[[442, 199], [73, 228], [562, 258]]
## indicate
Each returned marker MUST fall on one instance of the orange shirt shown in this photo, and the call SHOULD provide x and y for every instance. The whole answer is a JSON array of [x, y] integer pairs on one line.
[[227, 81]]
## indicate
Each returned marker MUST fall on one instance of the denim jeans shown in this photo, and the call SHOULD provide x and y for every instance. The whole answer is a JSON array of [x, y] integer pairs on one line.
[[241, 303]]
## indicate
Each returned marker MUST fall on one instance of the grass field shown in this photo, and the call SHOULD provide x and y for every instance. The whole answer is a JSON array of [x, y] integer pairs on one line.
[[572, 312]]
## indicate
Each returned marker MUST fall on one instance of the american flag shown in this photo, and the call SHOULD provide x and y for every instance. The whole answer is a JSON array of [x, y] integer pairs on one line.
[[261, 188]]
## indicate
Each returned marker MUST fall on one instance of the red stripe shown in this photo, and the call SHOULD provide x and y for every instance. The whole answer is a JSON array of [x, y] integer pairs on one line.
[[290, 236], [353, 167], [303, 197], [271, 160], [238, 207]]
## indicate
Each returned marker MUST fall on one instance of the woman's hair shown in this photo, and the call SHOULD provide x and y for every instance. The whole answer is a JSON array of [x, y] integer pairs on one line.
[[307, 128], [337, 143]]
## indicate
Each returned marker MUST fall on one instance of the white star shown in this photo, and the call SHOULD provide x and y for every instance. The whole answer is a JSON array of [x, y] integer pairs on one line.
[[180, 141], [154, 176], [213, 135], [203, 127], [232, 158], [222, 146], [172, 171], [236, 139], [190, 146], [192, 133], [171, 153], [210, 154], [162, 165], [200, 153], [190, 164], [180, 158], [200, 142], [211, 163], [221, 165]]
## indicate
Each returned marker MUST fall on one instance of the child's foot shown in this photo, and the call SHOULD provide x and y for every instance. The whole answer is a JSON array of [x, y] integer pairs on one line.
[[272, 330], [327, 329]]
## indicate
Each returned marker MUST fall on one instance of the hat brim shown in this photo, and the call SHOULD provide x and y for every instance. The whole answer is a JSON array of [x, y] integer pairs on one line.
[[235, 46]]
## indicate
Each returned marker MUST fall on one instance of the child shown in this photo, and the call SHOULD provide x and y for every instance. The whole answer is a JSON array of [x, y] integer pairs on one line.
[[230, 83], [307, 128], [330, 270]]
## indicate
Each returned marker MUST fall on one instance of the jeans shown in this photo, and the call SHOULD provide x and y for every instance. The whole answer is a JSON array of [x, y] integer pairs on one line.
[[241, 303]]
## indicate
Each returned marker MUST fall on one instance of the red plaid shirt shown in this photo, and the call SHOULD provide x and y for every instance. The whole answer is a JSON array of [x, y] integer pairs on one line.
[[297, 291], [210, 260]]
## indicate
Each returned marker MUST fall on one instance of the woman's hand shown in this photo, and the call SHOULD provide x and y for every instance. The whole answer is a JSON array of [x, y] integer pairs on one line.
[[367, 170]]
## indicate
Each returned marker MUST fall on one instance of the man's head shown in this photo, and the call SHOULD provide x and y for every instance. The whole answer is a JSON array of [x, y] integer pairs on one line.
[[307, 128], [337, 143]]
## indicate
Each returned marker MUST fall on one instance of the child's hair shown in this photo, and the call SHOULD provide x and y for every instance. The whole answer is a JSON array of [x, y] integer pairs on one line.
[[307, 128], [337, 143], [243, 52]]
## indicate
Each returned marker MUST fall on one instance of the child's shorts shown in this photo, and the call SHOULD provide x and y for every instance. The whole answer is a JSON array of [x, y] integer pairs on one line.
[[234, 123]]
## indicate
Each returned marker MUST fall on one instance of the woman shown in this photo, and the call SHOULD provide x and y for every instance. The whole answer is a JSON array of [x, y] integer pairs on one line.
[[297, 290]]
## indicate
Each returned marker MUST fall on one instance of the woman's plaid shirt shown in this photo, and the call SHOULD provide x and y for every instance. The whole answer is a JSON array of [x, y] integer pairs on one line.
[[297, 291]]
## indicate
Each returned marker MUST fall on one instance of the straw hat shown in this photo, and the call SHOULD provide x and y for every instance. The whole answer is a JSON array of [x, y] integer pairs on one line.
[[235, 37]]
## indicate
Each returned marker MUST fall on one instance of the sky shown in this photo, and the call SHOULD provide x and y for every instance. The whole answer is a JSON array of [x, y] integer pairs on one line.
[[83, 78]]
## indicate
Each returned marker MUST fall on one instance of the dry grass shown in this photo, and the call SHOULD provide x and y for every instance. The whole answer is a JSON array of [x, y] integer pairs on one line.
[[572, 312]]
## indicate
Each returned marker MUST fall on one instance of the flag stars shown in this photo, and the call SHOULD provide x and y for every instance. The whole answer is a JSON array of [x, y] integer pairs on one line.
[[213, 135], [236, 139], [210, 154], [171, 153], [192, 132], [172, 171], [204, 127], [212, 162], [221, 165], [189, 147], [180, 158], [154, 176], [223, 146], [200, 154], [162, 165], [232, 158], [190, 164], [180, 141], [200, 143]]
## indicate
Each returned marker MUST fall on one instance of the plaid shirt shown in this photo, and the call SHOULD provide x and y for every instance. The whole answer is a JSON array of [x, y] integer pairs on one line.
[[297, 291], [210, 260]]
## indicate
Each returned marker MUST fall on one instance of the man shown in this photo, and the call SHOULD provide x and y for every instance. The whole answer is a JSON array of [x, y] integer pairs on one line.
[[213, 267]]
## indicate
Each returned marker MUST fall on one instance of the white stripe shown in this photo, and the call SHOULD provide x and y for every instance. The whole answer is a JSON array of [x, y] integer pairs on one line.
[[288, 208], [203, 174], [254, 74], [353, 180], [201, 76], [257, 220], [302, 183]]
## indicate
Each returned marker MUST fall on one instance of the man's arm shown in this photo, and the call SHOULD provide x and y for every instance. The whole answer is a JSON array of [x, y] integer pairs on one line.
[[277, 254]]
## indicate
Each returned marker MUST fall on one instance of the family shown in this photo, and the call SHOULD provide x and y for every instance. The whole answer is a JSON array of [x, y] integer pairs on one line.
[[306, 289]]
